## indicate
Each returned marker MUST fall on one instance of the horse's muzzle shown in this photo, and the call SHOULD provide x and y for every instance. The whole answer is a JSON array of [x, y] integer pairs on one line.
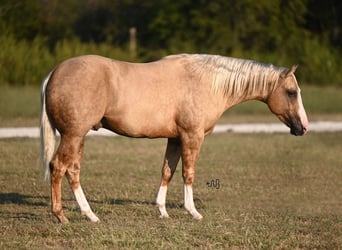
[[295, 131], [297, 128]]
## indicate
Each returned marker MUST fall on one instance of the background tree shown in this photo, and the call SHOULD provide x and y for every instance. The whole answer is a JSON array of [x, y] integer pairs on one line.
[[278, 31]]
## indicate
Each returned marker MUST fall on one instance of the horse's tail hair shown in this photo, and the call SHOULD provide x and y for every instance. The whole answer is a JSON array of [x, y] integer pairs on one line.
[[47, 133]]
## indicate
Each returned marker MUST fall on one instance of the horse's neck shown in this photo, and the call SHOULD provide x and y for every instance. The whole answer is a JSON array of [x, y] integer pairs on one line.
[[253, 89], [239, 85], [236, 80]]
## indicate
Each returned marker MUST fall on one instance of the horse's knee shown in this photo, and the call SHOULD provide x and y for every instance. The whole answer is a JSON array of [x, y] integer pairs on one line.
[[166, 174], [188, 176], [73, 175], [57, 169]]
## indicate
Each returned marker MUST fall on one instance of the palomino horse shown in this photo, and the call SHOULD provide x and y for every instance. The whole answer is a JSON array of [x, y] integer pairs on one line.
[[180, 97]]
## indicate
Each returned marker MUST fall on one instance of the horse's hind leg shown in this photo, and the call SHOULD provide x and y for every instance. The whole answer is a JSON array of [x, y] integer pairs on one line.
[[67, 161], [58, 167], [57, 172], [73, 176], [172, 156]]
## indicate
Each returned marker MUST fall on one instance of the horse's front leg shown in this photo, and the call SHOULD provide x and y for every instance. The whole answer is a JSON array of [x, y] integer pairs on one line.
[[191, 144], [171, 159]]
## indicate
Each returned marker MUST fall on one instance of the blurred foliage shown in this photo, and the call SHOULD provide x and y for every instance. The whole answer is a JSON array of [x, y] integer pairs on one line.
[[35, 35]]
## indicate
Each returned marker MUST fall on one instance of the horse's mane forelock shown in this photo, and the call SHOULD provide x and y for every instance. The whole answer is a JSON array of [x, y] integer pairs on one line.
[[233, 76]]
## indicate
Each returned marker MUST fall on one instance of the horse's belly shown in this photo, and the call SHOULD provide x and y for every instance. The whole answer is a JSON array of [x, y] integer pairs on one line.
[[141, 127]]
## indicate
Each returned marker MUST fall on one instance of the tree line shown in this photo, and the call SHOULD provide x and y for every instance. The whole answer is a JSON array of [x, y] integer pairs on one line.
[[281, 32]]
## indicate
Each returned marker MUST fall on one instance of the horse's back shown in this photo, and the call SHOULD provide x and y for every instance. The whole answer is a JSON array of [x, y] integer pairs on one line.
[[145, 98], [133, 99]]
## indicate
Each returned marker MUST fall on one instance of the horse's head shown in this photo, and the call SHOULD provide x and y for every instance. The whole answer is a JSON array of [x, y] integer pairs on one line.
[[286, 103]]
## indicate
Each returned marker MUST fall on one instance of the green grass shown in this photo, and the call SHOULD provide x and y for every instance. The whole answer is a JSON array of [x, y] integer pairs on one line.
[[19, 106], [276, 192]]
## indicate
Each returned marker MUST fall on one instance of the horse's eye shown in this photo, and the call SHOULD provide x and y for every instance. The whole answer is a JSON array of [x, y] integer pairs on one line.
[[292, 93]]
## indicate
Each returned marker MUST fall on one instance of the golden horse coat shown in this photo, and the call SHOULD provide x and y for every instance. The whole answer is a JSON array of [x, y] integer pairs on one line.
[[180, 97]]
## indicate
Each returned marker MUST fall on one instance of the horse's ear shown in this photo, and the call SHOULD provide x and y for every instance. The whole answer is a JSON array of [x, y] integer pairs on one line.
[[293, 68], [286, 72]]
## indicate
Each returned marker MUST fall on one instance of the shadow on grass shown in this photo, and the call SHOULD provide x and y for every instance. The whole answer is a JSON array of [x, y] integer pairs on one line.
[[125, 202], [169, 204], [21, 199]]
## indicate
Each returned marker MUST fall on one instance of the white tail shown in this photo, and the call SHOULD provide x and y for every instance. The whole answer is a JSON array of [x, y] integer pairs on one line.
[[47, 133]]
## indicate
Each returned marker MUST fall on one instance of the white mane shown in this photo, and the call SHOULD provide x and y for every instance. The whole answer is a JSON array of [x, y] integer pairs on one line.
[[232, 76]]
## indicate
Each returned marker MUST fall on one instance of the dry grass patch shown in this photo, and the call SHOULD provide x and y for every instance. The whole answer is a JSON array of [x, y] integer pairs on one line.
[[276, 191]]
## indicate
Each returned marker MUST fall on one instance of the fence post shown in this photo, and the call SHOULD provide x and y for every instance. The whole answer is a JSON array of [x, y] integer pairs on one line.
[[133, 42]]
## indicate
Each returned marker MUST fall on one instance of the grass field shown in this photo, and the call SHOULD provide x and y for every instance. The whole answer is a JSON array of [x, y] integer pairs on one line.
[[276, 192]]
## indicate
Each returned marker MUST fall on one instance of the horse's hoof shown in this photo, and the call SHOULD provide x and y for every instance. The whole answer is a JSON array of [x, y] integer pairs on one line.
[[91, 216], [198, 217], [165, 216], [63, 220]]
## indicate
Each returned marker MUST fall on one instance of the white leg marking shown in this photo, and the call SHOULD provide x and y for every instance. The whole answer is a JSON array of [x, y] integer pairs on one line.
[[84, 205], [161, 201], [189, 202]]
